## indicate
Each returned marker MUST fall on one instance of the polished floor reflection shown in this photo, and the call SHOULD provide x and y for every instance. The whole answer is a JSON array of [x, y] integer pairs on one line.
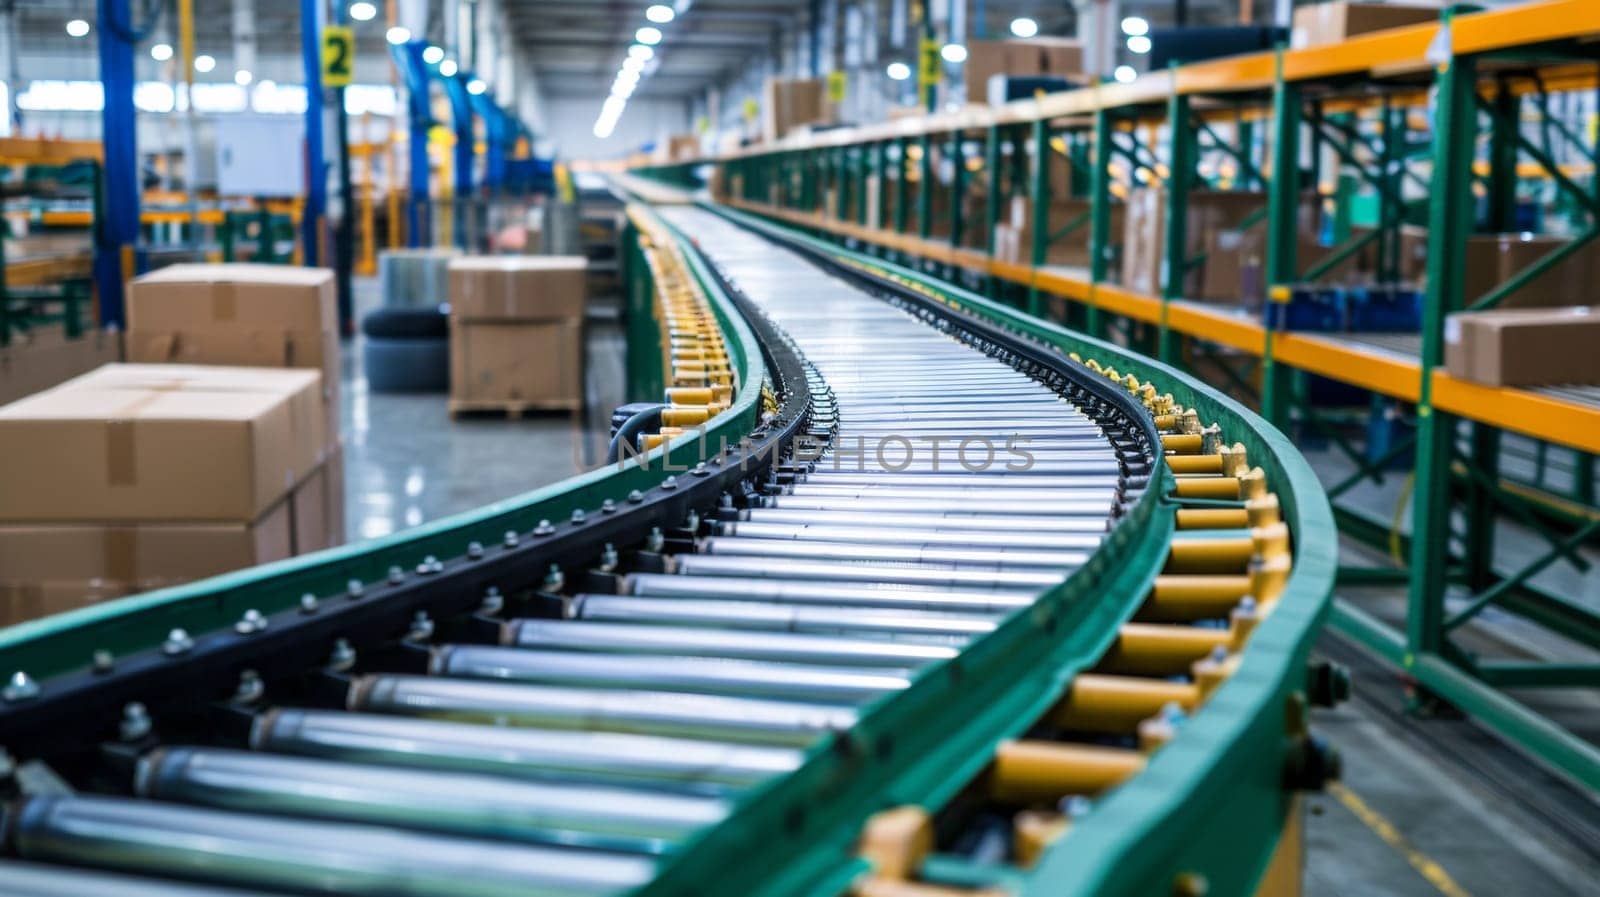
[[407, 462]]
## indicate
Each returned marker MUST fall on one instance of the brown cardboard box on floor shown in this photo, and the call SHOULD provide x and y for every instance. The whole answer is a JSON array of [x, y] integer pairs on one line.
[[517, 363], [517, 288], [1333, 22], [50, 568], [316, 507], [239, 314], [1524, 347], [45, 357], [160, 443]]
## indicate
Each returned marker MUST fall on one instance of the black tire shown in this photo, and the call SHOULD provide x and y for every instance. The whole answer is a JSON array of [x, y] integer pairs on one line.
[[407, 323], [406, 365]]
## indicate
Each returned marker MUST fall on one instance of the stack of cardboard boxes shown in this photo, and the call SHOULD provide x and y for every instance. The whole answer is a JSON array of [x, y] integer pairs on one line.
[[516, 333], [1013, 235], [134, 477]]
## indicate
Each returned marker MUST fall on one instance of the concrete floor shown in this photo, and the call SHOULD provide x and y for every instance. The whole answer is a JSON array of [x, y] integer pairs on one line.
[[1406, 821]]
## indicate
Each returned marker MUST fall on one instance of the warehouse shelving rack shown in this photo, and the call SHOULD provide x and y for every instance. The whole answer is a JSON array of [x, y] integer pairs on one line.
[[878, 188]]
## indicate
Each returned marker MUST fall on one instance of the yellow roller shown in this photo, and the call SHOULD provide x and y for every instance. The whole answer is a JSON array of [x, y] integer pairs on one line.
[[1032, 831], [1161, 649], [1027, 772], [1116, 704]]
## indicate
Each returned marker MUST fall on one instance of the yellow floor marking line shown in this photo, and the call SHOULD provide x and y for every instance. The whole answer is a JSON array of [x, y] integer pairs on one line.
[[1385, 830]]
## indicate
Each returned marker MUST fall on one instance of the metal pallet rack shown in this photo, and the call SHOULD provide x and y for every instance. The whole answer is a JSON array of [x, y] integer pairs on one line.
[[907, 190]]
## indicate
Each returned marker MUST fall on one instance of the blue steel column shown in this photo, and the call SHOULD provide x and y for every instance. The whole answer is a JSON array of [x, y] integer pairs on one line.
[[455, 88], [316, 165], [117, 231]]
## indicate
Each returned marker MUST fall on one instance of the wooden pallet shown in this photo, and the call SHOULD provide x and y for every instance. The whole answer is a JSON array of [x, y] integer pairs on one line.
[[513, 410]]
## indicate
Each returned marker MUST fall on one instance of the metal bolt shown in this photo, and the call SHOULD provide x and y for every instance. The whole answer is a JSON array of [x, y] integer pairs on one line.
[[474, 550], [635, 497], [250, 688], [308, 603], [421, 627], [8, 765], [577, 516], [1173, 713], [342, 657], [21, 687], [354, 588], [692, 522], [608, 558], [544, 528], [1247, 604], [396, 576], [669, 483], [135, 722], [493, 601], [655, 541], [430, 564], [1190, 884], [700, 470], [178, 642], [252, 621], [1076, 806], [554, 580], [102, 662], [608, 507], [1219, 654], [510, 539]]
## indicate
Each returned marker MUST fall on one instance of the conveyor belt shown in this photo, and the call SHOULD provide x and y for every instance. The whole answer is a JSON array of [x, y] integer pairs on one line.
[[581, 729]]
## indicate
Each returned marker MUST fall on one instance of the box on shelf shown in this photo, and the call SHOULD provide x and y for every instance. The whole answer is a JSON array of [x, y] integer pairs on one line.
[[1071, 249], [1035, 57], [1331, 23], [1493, 259], [791, 102], [517, 363], [44, 357], [161, 442], [239, 314], [517, 288], [1524, 347]]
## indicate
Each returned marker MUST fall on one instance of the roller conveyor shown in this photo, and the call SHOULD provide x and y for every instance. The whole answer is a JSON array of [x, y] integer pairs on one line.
[[584, 725]]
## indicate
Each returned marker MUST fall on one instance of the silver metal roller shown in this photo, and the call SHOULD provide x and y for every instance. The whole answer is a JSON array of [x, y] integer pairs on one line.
[[581, 815], [1009, 505], [694, 675], [961, 489], [958, 477], [885, 595], [995, 557], [958, 520], [521, 752], [297, 854], [1015, 538], [37, 880], [710, 565], [715, 717], [875, 621], [694, 641]]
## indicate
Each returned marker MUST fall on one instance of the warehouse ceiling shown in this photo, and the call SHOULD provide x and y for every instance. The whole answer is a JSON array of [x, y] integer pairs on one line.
[[577, 46]]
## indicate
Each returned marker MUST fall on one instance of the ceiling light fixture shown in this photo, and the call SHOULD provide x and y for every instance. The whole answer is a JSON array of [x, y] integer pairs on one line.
[[1125, 73], [1139, 43], [448, 68], [1133, 26], [476, 86], [243, 77], [77, 28], [1024, 27], [954, 53], [640, 51], [648, 35], [161, 52], [898, 71], [660, 14], [204, 63], [433, 55], [363, 11], [397, 35]]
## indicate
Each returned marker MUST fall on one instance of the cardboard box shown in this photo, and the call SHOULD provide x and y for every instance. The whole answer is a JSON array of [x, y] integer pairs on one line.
[[160, 443], [44, 358], [517, 288], [1524, 347], [539, 364], [239, 314], [316, 508], [788, 103], [1058, 56], [1493, 259], [1332, 23]]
